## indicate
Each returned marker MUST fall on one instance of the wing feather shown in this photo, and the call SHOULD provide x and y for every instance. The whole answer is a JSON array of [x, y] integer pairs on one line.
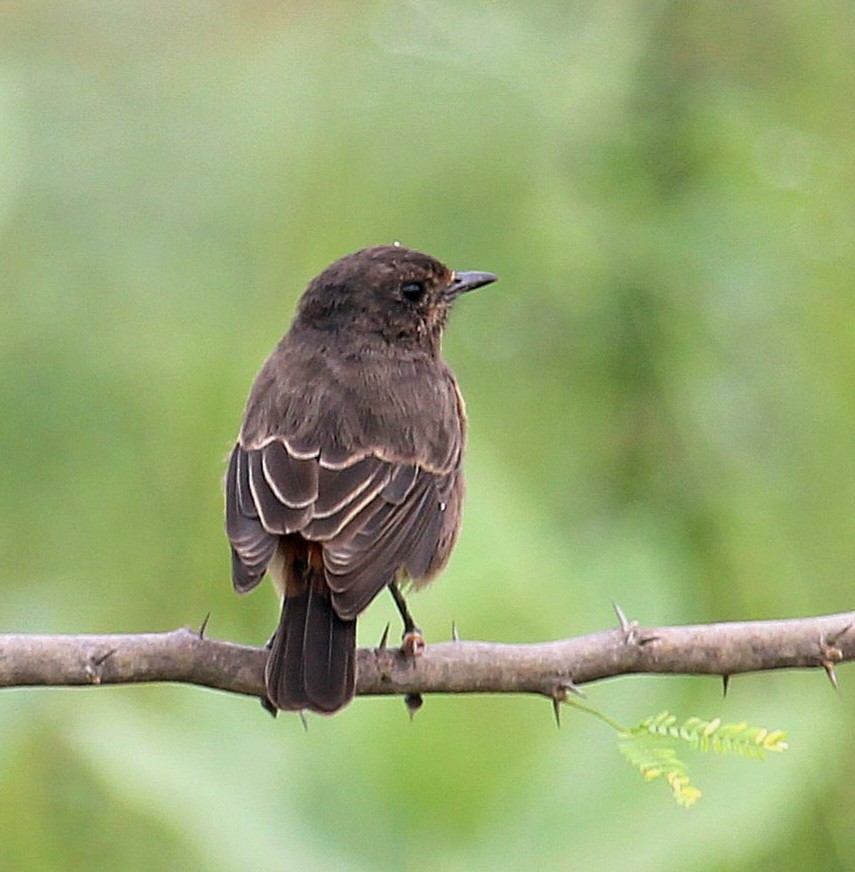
[[363, 561], [252, 546], [340, 488], [293, 480], [324, 529], [275, 516], [375, 517], [400, 484], [246, 503]]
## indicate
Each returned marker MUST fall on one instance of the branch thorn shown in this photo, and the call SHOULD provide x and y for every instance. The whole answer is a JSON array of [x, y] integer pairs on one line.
[[204, 626], [455, 635], [725, 684], [559, 695], [630, 629], [828, 666], [384, 639], [831, 654], [574, 688], [623, 620]]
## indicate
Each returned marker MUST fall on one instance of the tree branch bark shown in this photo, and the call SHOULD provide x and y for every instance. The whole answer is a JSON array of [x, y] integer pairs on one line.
[[549, 668]]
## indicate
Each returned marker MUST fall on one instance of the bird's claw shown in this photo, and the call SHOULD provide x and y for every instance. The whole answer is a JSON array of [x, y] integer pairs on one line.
[[413, 702], [413, 643]]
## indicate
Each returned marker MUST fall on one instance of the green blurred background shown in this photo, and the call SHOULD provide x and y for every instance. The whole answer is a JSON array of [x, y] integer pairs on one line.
[[661, 393]]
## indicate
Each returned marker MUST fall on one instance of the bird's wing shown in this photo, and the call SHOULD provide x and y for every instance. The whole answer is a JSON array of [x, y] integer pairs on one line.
[[252, 546], [373, 516], [398, 530]]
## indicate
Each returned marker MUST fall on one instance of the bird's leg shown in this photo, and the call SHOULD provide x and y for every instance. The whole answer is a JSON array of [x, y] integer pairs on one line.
[[412, 642], [403, 609]]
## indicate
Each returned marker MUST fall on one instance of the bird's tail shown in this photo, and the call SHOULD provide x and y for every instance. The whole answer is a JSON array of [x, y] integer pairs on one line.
[[312, 664]]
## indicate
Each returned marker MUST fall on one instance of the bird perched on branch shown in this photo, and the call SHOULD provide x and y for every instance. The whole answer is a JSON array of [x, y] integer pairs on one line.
[[346, 477]]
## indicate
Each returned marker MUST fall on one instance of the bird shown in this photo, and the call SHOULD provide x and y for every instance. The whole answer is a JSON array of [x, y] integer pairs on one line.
[[346, 476]]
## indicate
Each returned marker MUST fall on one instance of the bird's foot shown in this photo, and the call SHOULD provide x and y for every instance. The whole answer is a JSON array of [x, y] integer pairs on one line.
[[413, 642]]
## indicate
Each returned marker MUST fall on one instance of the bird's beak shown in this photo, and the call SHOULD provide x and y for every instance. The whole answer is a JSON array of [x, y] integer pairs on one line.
[[461, 282]]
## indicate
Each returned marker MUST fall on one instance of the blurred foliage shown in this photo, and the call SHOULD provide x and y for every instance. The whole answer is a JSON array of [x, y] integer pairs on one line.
[[661, 393]]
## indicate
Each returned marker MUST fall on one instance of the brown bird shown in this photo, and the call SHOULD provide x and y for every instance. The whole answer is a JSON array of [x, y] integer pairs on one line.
[[346, 477]]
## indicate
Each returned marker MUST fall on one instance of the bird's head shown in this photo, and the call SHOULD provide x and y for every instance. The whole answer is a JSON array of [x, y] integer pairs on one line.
[[390, 292]]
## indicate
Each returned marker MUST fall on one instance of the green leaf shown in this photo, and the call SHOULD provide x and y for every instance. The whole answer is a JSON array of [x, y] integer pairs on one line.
[[651, 745], [655, 759], [734, 739]]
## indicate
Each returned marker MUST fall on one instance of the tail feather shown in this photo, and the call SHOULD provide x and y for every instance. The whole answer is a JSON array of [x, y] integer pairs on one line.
[[312, 664]]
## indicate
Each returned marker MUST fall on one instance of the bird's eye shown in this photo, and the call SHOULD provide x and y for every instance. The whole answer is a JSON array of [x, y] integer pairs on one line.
[[413, 291]]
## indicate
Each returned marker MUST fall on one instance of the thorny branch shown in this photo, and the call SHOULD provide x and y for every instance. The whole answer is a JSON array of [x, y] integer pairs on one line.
[[549, 668]]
